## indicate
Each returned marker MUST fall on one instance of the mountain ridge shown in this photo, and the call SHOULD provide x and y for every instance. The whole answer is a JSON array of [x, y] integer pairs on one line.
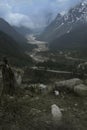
[[11, 49], [9, 30], [65, 23]]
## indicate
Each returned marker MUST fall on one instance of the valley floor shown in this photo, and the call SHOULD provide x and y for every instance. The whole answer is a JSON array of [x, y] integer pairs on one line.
[[41, 47]]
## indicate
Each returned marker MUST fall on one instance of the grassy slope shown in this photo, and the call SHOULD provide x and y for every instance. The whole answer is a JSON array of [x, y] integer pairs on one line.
[[76, 40], [34, 113], [11, 49]]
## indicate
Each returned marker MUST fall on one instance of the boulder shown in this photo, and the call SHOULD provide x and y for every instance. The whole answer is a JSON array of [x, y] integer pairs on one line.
[[81, 90], [67, 84], [56, 113]]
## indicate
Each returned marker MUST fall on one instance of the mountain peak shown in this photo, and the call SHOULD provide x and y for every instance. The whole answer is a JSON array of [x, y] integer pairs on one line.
[[65, 23], [84, 2]]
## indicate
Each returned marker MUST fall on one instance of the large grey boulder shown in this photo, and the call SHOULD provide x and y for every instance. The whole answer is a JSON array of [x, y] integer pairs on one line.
[[56, 113], [67, 84], [81, 90], [74, 85]]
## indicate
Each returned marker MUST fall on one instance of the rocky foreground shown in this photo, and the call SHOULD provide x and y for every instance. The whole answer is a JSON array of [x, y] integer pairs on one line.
[[58, 106]]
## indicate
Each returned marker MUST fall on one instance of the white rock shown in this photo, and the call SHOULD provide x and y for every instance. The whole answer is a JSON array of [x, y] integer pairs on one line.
[[56, 113], [42, 86], [56, 93]]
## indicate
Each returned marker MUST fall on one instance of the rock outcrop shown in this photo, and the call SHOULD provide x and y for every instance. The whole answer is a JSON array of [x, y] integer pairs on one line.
[[69, 84], [81, 90], [74, 85]]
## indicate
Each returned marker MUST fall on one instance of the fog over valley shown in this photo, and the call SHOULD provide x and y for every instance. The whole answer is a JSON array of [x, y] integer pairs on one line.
[[43, 64]]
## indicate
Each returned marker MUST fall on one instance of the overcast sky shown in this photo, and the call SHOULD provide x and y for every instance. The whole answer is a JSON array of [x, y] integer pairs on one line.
[[33, 13]]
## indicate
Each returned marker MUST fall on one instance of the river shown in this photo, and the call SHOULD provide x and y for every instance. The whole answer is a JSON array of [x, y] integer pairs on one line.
[[41, 47]]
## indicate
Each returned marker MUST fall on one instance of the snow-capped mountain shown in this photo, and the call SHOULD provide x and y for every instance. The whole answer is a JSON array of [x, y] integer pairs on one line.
[[77, 14], [66, 23]]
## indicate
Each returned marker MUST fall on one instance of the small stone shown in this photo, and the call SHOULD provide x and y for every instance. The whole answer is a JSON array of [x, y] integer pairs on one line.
[[76, 104], [56, 93]]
